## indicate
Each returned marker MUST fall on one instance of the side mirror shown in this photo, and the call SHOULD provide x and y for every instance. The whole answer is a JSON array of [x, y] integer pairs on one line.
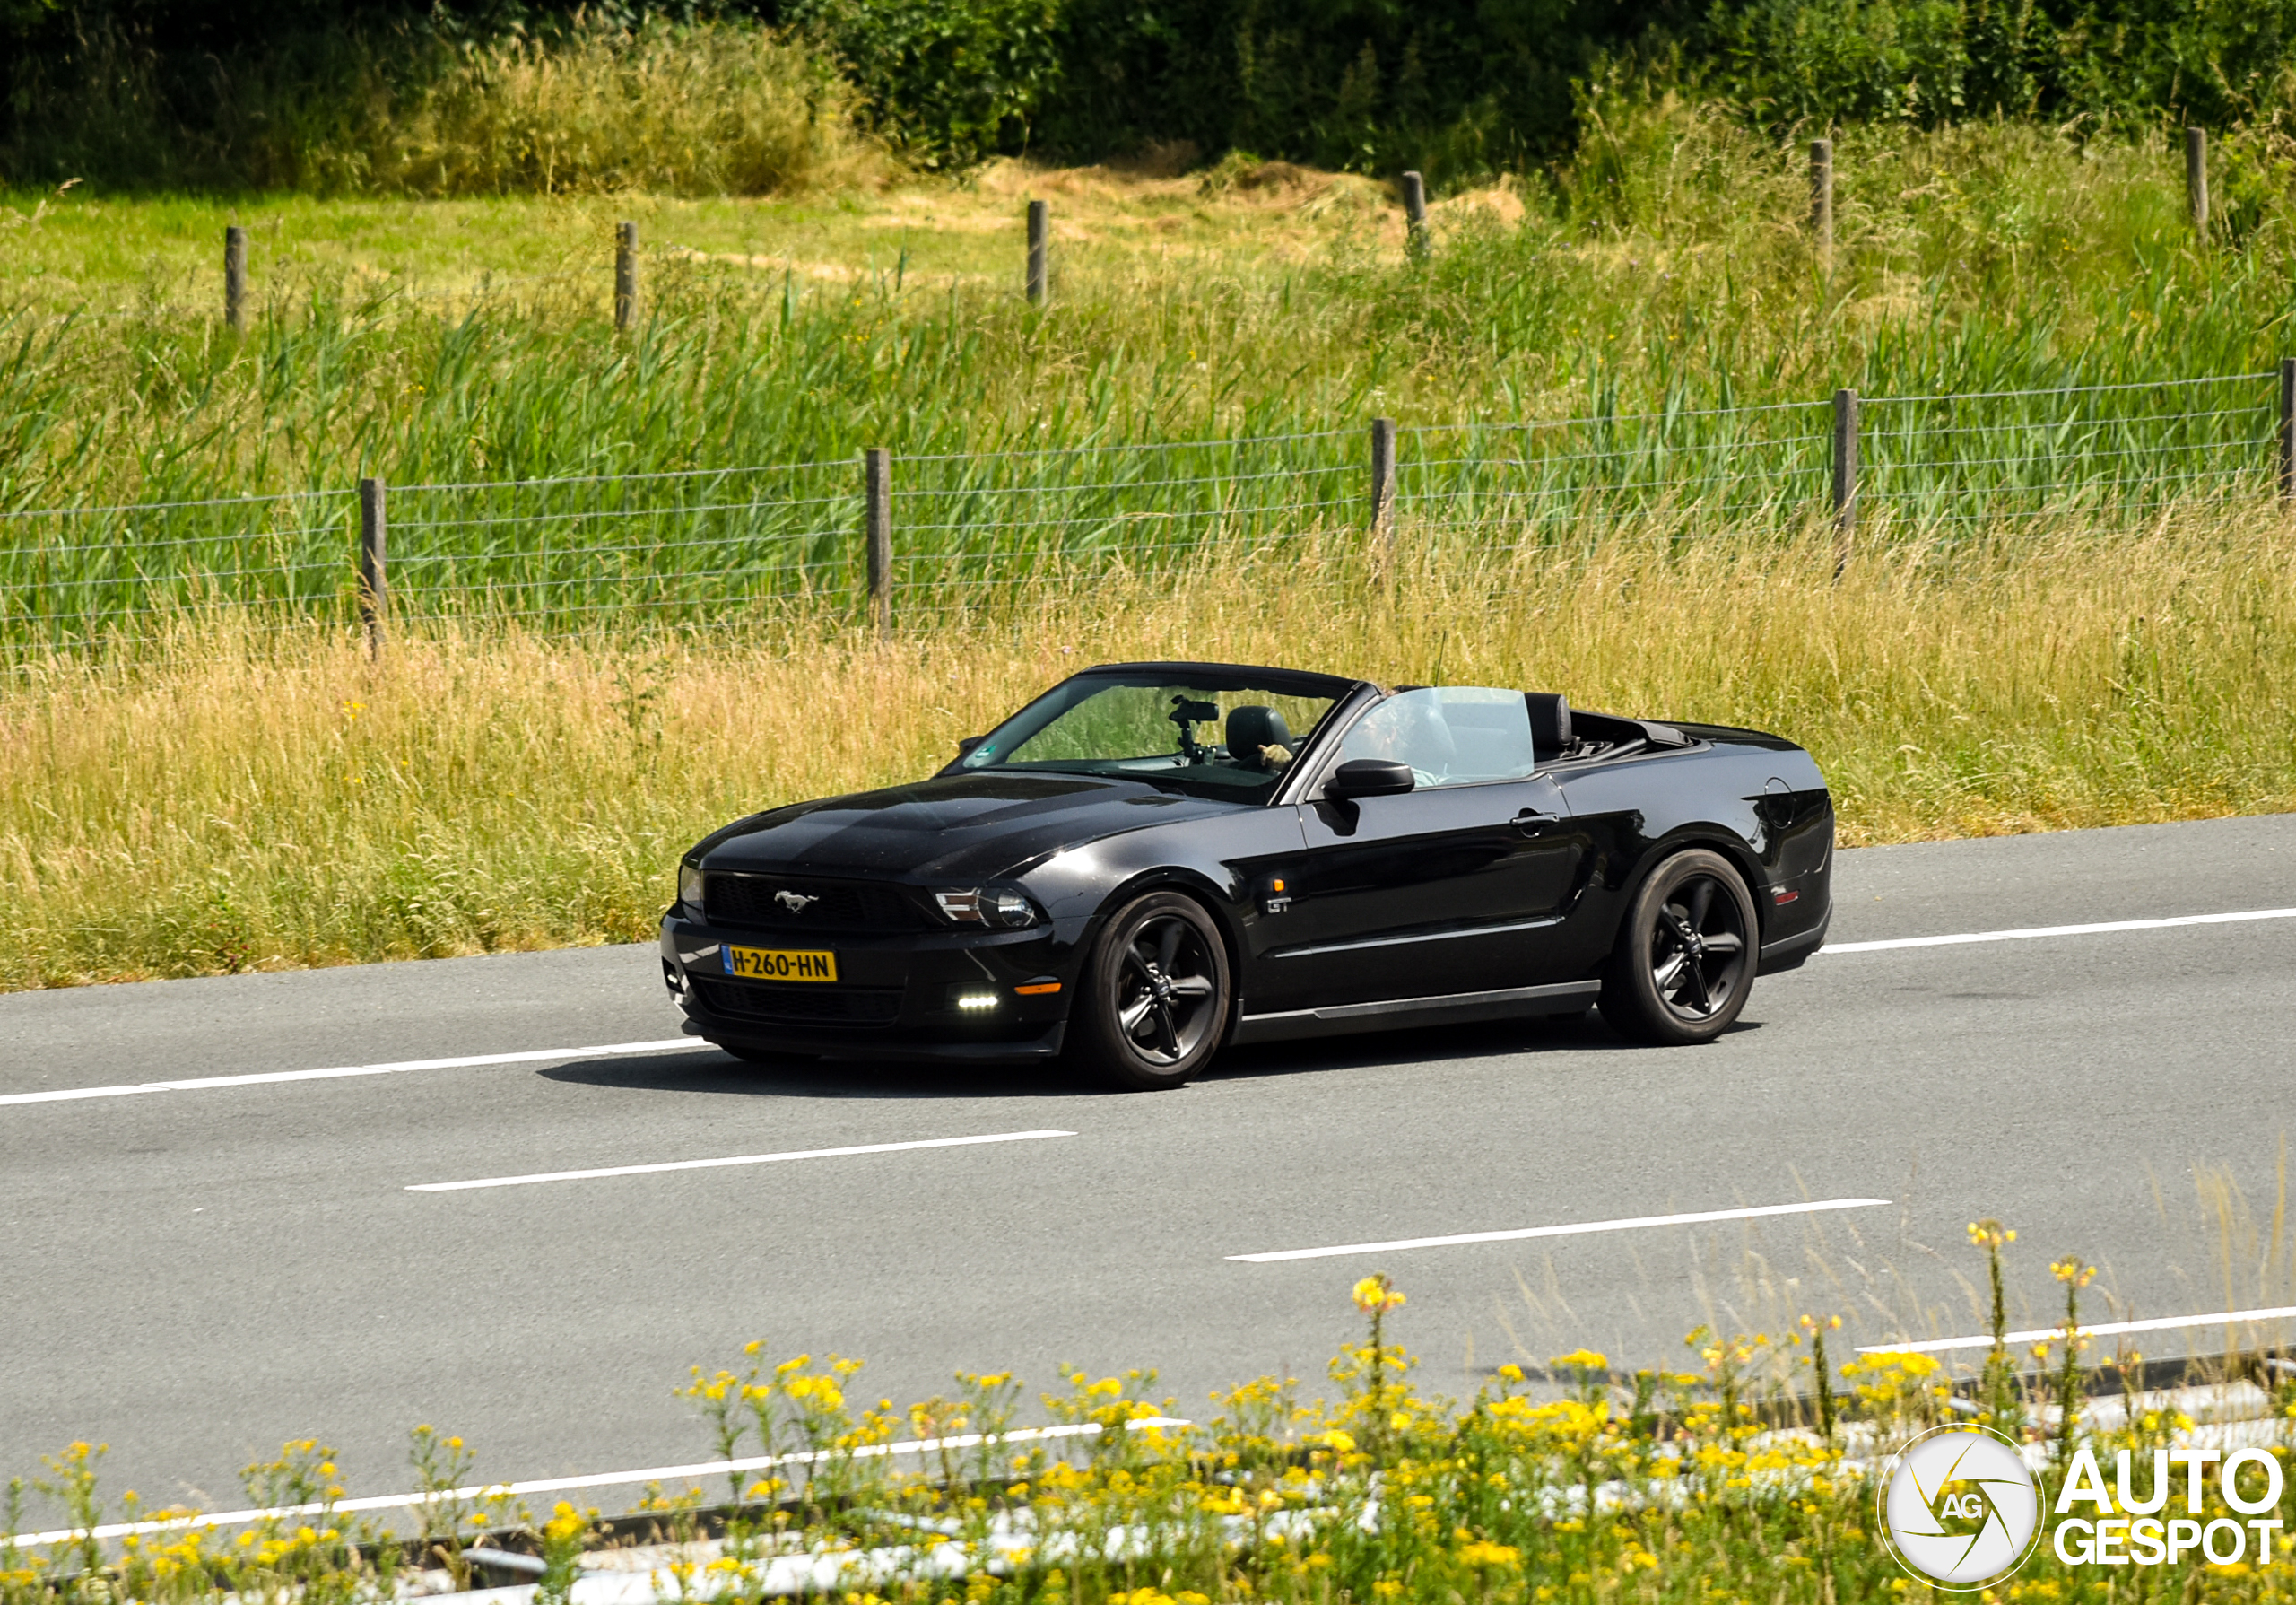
[[965, 744], [1369, 777]]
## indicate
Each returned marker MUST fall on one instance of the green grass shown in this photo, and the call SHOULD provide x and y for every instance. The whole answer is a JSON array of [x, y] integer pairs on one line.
[[2072, 634], [1664, 275], [1667, 266]]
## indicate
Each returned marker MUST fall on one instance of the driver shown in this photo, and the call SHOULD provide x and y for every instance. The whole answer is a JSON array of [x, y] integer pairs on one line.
[[1406, 728]]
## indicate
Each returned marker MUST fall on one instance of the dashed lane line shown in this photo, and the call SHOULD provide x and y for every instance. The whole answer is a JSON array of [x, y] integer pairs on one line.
[[1575, 1229], [653, 1170]]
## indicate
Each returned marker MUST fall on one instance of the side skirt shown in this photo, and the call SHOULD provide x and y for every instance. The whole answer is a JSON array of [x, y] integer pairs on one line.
[[1793, 952], [1451, 1009]]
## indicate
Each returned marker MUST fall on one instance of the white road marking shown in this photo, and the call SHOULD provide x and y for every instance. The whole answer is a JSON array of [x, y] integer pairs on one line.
[[2032, 932], [623, 1050], [626, 1049], [1579, 1228], [470, 1061], [2163, 1324], [559, 1485], [650, 1170]]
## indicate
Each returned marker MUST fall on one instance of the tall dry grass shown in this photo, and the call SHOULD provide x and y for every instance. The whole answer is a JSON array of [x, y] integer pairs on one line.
[[222, 800], [714, 108]]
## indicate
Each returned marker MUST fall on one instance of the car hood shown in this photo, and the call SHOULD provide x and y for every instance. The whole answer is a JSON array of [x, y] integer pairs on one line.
[[982, 826]]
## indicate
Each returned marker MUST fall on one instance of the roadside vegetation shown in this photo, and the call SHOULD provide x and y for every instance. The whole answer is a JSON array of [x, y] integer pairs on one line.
[[223, 800], [228, 800], [1743, 1469], [1667, 262]]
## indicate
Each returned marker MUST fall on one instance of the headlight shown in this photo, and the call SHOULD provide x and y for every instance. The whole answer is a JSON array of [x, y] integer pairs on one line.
[[1004, 907], [689, 886]]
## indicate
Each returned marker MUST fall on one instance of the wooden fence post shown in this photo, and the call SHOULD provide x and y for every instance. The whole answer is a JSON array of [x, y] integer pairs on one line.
[[1845, 477], [2196, 178], [1822, 200], [1383, 482], [1039, 252], [1415, 212], [877, 489], [625, 276], [235, 279], [374, 575], [2288, 430]]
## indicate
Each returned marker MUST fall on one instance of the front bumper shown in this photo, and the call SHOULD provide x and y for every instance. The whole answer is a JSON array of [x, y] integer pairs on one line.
[[895, 996]]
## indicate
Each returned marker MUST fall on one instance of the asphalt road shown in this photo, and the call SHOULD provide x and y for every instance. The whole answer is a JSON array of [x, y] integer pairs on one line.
[[195, 1276]]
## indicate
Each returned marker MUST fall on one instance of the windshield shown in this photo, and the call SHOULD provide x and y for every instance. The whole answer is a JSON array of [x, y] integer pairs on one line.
[[1226, 739]]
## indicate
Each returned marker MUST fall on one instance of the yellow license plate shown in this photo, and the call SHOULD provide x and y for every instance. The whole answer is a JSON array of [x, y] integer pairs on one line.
[[769, 963]]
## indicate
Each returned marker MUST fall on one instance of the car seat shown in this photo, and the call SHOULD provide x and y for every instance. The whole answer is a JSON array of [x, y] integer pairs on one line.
[[1551, 735], [1251, 728]]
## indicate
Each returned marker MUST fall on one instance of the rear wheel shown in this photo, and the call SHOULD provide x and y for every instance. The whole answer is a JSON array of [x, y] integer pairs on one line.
[[1154, 1003], [1686, 959]]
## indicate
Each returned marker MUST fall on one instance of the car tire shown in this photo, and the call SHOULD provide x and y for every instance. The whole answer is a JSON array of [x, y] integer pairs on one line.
[[1686, 953], [1153, 1006]]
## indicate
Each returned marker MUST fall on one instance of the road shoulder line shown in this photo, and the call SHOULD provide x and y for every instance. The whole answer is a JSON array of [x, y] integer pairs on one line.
[[67, 1094]]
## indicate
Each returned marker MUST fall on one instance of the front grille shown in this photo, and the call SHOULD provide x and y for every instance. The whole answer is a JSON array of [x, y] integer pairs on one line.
[[754, 901], [798, 1004]]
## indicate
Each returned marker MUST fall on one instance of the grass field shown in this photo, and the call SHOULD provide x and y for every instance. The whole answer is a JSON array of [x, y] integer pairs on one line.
[[227, 801], [220, 797], [1667, 264]]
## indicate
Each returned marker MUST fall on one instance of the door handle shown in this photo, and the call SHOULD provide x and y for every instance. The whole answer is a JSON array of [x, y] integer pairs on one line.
[[1531, 821]]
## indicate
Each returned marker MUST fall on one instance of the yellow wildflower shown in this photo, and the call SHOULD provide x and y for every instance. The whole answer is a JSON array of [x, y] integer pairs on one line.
[[1376, 1294]]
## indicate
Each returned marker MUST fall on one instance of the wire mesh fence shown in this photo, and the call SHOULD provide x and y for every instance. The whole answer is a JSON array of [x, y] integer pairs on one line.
[[967, 527], [951, 532], [565, 554], [74, 575], [2097, 453], [1533, 483]]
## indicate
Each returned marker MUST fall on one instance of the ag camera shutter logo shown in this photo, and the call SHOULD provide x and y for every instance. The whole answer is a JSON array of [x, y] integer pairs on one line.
[[1960, 1508]]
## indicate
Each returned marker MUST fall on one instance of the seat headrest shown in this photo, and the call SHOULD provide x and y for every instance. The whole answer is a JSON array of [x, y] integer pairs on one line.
[[1550, 722], [1252, 727]]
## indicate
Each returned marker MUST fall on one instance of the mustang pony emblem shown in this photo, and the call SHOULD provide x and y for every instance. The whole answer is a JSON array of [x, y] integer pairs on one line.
[[797, 902]]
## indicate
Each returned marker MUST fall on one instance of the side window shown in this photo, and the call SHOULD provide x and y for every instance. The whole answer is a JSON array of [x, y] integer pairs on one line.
[[1450, 736]]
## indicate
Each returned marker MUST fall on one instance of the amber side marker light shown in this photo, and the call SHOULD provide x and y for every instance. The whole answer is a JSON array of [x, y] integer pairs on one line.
[[1036, 989]]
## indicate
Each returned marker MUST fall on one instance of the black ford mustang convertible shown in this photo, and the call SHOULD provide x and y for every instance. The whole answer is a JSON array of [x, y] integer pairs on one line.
[[1152, 859]]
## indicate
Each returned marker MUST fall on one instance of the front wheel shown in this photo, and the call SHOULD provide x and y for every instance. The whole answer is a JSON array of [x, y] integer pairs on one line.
[[1154, 1003], [1686, 959]]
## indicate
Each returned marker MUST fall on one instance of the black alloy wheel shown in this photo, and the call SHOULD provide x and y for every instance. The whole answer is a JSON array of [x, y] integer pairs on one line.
[[1687, 955], [1155, 999]]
